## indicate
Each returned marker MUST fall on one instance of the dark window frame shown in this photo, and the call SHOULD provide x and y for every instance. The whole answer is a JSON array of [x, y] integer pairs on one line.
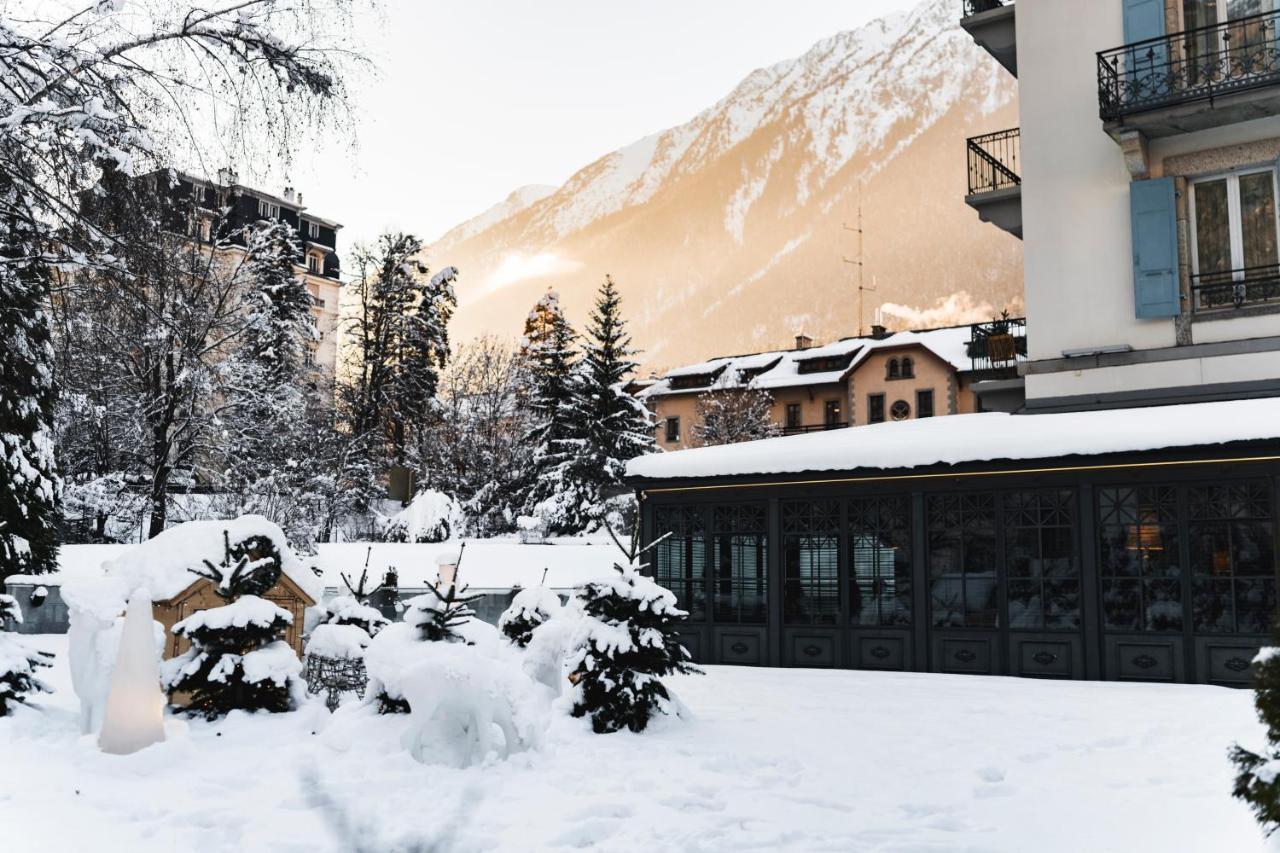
[[811, 561], [923, 409], [740, 564], [875, 408], [672, 429], [880, 527]]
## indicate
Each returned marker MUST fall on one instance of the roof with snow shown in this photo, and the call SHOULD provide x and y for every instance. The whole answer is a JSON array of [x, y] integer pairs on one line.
[[783, 368], [984, 437]]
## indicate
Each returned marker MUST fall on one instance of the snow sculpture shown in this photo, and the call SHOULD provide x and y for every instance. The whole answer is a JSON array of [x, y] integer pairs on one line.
[[135, 706]]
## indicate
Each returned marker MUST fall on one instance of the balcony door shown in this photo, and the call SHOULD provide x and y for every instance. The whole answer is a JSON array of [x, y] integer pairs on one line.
[[1225, 43], [1236, 240]]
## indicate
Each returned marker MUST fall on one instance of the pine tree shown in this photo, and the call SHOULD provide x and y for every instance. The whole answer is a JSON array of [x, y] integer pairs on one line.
[[730, 415], [630, 640], [29, 484], [1258, 776], [553, 378], [354, 609], [529, 608], [18, 663], [238, 658], [609, 426]]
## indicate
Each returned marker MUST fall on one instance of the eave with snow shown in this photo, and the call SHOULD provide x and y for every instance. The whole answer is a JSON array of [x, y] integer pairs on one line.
[[1123, 544]]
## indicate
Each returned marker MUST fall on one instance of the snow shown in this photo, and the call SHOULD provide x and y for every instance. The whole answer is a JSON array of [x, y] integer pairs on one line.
[[976, 438], [244, 611], [342, 642], [430, 517], [773, 759], [275, 662]]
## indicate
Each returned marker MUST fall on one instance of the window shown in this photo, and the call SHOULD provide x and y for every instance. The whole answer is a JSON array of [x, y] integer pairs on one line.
[[267, 210], [962, 561], [313, 264], [1233, 560], [924, 404], [1235, 238], [673, 430], [679, 561], [811, 562], [831, 413], [740, 563], [313, 230], [309, 356], [793, 416], [880, 561], [908, 368], [894, 371], [875, 408], [900, 410], [1040, 560], [1139, 562], [1247, 44]]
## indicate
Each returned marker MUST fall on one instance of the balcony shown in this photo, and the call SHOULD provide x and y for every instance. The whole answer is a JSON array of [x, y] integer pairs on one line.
[[1194, 80], [992, 25], [801, 430], [995, 189], [1223, 293], [997, 348]]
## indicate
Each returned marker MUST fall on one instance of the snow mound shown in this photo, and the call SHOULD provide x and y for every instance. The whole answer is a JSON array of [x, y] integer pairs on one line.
[[342, 642], [346, 610], [430, 517], [275, 662]]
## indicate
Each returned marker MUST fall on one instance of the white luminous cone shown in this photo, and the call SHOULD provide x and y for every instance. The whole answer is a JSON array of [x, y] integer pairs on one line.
[[135, 706]]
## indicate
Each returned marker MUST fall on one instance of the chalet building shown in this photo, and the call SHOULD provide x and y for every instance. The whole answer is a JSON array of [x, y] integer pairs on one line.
[[1124, 525], [889, 376], [226, 207]]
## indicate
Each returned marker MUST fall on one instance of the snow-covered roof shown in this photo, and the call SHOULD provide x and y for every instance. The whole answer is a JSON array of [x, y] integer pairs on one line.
[[975, 438], [947, 344]]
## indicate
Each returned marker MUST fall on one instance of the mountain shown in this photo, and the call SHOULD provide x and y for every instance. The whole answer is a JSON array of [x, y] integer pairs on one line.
[[729, 233]]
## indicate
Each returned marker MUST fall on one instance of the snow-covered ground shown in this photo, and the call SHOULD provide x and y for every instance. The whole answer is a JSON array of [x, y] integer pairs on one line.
[[795, 760]]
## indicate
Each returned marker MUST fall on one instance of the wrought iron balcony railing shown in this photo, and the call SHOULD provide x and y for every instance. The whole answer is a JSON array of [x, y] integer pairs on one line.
[[1195, 65], [977, 7], [1236, 288], [996, 348], [797, 430], [993, 161]]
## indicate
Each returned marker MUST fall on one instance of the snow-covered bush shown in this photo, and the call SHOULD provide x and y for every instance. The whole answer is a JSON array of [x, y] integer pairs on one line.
[[1258, 777], [18, 662], [429, 517], [530, 608], [346, 610], [627, 639]]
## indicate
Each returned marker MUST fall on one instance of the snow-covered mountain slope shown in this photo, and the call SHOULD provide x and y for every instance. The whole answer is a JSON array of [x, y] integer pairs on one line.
[[727, 233]]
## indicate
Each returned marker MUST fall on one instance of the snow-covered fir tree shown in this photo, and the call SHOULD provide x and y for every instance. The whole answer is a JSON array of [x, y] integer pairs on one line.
[[18, 663], [551, 366], [529, 608], [354, 608], [732, 414], [607, 426], [628, 640], [1258, 773], [238, 659]]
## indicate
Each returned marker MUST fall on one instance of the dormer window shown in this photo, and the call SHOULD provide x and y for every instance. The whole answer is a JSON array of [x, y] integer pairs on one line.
[[267, 210], [313, 231], [826, 364], [313, 264]]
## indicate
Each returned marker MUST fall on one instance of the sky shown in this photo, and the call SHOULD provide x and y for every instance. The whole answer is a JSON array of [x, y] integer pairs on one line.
[[474, 98]]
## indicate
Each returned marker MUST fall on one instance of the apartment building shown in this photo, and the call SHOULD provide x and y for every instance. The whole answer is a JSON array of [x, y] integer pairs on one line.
[[887, 376]]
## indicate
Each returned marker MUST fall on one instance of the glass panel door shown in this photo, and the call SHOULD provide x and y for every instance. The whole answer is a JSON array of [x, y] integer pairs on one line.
[[1258, 219]]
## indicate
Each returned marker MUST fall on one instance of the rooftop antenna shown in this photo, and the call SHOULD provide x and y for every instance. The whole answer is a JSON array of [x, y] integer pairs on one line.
[[859, 263]]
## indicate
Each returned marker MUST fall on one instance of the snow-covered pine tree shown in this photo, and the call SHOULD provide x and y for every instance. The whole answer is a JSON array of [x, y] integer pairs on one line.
[[552, 370], [629, 640], [18, 662], [732, 414], [354, 608], [1258, 775], [238, 658], [610, 426], [29, 483], [529, 608]]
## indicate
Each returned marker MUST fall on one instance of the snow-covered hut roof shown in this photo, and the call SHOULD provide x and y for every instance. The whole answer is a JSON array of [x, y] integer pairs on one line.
[[975, 438], [785, 366]]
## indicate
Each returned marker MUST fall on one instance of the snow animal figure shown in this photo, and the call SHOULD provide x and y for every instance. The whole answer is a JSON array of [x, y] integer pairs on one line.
[[18, 662], [237, 658], [529, 608], [135, 706], [1258, 779], [627, 640], [462, 708]]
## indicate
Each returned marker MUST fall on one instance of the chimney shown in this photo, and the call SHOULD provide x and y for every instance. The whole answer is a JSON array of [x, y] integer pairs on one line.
[[803, 341], [227, 176], [288, 194], [879, 332], [299, 199]]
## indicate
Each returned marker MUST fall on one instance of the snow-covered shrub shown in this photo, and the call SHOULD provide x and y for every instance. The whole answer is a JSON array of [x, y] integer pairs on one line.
[[551, 647], [468, 704], [530, 608], [18, 662], [627, 640], [429, 517], [1258, 777], [346, 610]]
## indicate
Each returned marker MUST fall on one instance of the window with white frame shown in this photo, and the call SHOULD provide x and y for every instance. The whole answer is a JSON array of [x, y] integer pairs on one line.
[[267, 210], [1236, 244], [313, 231], [313, 263]]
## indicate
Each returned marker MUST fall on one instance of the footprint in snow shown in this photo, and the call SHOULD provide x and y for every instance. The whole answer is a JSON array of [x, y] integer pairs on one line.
[[991, 774]]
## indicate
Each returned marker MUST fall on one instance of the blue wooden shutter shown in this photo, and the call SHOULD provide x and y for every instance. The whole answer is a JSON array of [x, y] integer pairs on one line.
[[1155, 249], [1144, 19]]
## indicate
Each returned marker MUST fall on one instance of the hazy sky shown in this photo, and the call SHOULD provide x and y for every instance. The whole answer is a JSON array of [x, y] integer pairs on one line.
[[477, 97]]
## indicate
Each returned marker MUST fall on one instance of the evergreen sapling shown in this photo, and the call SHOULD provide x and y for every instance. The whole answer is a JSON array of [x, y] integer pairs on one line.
[[529, 609], [18, 663], [1258, 776]]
